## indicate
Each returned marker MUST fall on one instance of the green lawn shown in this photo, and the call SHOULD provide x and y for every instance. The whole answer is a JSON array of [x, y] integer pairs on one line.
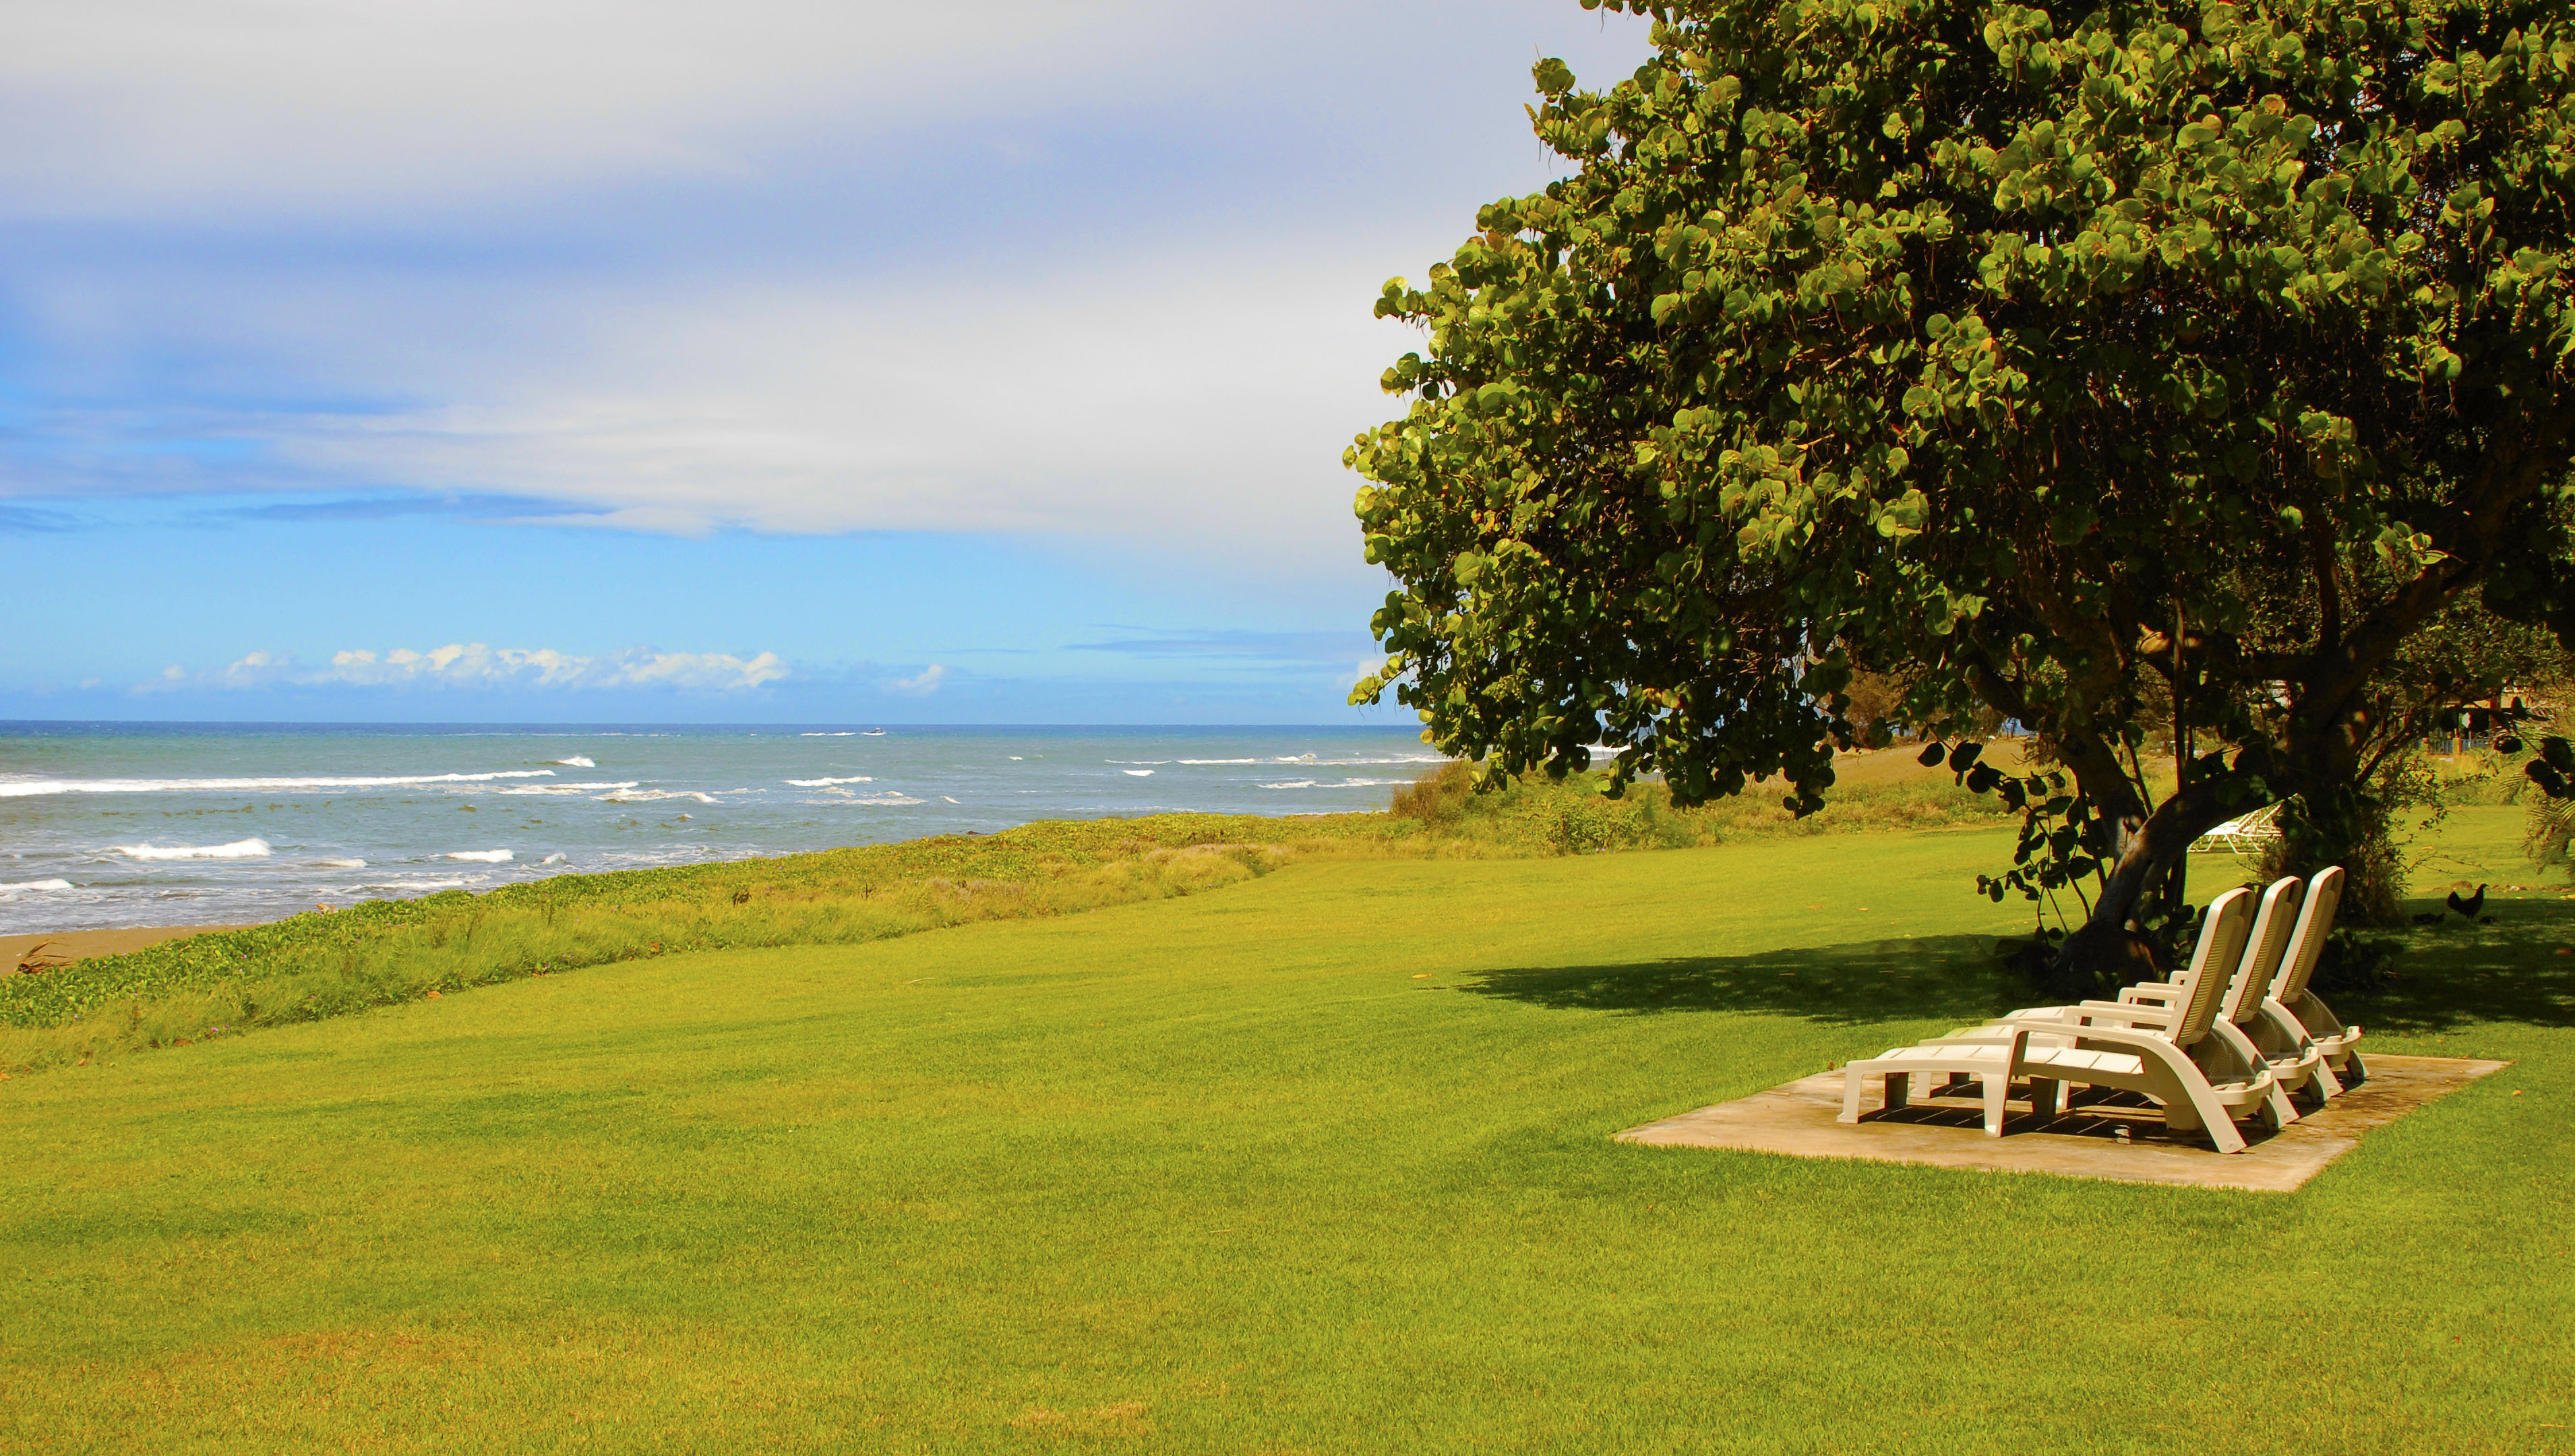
[[1316, 1162]]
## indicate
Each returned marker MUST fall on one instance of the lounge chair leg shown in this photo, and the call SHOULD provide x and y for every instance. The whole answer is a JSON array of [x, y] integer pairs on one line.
[[2323, 1083], [1852, 1080], [2353, 1073], [1897, 1085], [2043, 1096], [2208, 1117], [2281, 1110], [1997, 1092]]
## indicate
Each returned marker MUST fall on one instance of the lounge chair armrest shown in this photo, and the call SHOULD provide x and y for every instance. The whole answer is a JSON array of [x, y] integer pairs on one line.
[[2116, 1014], [2155, 1042], [2046, 1033]]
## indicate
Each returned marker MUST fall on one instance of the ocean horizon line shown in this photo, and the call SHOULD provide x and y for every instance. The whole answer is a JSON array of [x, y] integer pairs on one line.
[[534, 726]]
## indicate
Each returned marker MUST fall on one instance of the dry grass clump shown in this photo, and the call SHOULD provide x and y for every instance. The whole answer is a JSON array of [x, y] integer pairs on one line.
[[1573, 817]]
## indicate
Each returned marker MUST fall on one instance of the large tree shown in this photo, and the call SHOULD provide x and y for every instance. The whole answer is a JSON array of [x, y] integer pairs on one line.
[[2048, 358]]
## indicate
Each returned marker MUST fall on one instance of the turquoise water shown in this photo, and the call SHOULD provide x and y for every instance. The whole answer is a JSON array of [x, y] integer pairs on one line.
[[183, 823]]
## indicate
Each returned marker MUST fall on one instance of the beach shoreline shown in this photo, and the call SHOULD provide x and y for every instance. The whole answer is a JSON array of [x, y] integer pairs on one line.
[[64, 946]]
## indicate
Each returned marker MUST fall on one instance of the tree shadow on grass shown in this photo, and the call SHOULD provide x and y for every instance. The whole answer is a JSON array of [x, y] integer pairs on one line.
[[2457, 973], [1924, 977], [2444, 978]]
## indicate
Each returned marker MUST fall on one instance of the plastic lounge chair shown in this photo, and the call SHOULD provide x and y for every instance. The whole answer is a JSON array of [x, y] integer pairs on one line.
[[2241, 835], [2296, 1017], [2229, 1050], [2250, 1019], [2171, 1054], [2295, 1060]]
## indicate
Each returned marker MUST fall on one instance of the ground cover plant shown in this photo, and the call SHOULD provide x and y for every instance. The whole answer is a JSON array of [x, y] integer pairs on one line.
[[1317, 1163], [321, 965]]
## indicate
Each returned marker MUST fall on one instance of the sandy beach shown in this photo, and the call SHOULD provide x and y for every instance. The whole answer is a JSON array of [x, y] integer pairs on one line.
[[73, 945]]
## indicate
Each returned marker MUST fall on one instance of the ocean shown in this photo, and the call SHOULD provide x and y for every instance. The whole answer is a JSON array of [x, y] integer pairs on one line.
[[106, 824]]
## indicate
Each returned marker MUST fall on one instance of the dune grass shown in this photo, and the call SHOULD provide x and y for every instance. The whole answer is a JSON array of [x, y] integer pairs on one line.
[[1317, 1163]]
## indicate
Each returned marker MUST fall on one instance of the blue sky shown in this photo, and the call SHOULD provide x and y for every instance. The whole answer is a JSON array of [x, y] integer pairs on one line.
[[754, 363]]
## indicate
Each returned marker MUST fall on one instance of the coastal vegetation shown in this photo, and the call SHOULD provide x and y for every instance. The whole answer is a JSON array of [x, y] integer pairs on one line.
[[381, 953], [1319, 1162]]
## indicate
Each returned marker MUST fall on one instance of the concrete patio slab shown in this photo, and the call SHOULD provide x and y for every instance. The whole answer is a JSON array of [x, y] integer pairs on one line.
[[2122, 1138]]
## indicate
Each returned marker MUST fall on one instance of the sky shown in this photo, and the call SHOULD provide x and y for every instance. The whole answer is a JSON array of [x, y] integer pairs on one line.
[[799, 362]]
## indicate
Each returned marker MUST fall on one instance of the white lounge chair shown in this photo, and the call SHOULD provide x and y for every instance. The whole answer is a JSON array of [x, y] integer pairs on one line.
[[2247, 1019], [2294, 1018], [2242, 835], [2168, 1052]]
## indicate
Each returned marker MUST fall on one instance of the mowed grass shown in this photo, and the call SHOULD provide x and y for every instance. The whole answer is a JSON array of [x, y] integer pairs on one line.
[[1319, 1162]]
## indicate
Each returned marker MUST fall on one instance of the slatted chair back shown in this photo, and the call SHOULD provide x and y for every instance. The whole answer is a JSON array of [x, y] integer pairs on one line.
[[2315, 923], [2222, 942], [2264, 947]]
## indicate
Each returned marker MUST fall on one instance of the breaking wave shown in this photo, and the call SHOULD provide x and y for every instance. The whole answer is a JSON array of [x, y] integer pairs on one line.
[[30, 788], [237, 850], [480, 857]]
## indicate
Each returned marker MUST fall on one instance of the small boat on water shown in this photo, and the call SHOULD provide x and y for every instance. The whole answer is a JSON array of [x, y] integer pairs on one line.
[[873, 733]]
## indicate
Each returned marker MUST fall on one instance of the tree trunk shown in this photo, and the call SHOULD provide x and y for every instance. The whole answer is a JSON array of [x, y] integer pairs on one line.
[[2093, 957]]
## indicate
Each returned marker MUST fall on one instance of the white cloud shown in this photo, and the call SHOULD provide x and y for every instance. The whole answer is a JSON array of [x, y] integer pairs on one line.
[[1100, 400], [679, 269], [923, 683], [150, 104], [475, 665]]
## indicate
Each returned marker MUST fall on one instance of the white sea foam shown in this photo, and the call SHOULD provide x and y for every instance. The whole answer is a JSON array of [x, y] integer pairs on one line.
[[1220, 760], [951, 801], [541, 790], [827, 735], [826, 782], [578, 761], [25, 886], [1344, 784], [653, 795], [237, 850], [30, 788], [1156, 762], [481, 857], [339, 863], [558, 857], [1137, 773], [1300, 784], [890, 800], [412, 887]]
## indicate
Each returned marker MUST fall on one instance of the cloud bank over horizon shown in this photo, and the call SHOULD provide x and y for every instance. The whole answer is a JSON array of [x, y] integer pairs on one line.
[[479, 665], [568, 286]]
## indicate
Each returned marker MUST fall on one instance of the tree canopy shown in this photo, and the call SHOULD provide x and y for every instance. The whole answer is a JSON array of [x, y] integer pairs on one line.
[[2047, 357]]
